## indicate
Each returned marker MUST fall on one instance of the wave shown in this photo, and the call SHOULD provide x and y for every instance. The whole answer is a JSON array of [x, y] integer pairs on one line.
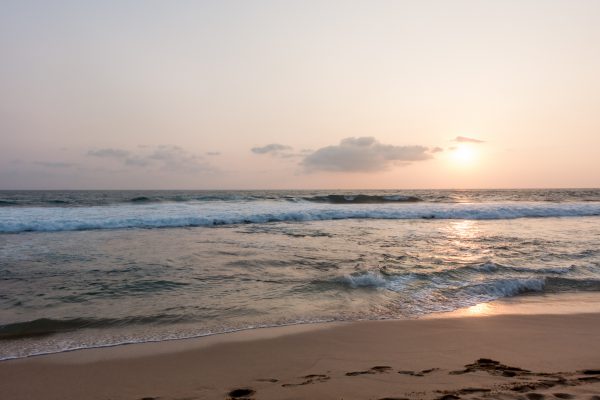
[[512, 287], [500, 288], [48, 326], [493, 283], [358, 280], [362, 199], [329, 198], [87, 198], [173, 215], [142, 199], [495, 267]]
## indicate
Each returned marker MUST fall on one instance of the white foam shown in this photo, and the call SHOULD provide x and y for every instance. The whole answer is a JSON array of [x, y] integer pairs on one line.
[[161, 215], [368, 279]]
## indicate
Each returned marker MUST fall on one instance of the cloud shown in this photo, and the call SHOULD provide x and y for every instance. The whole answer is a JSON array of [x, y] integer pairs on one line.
[[273, 149], [363, 154], [164, 157], [54, 164], [108, 153], [436, 150], [464, 139], [213, 153]]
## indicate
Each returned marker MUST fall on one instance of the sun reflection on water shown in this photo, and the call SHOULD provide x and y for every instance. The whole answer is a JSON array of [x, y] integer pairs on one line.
[[465, 229], [480, 309]]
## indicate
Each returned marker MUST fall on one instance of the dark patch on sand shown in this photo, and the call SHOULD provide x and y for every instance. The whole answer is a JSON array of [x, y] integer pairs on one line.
[[535, 396], [563, 396], [426, 371], [455, 394], [471, 390], [309, 379], [418, 373], [241, 393], [378, 369], [394, 398], [491, 367], [589, 379], [527, 387], [272, 380], [448, 397], [590, 372]]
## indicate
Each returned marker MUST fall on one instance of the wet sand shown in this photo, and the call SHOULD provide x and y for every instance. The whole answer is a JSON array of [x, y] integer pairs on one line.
[[521, 356]]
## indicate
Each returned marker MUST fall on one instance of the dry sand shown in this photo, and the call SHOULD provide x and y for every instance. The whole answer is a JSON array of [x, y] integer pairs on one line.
[[502, 356]]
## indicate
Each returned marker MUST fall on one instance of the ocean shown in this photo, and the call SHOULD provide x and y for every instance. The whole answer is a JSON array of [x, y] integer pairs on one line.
[[83, 269]]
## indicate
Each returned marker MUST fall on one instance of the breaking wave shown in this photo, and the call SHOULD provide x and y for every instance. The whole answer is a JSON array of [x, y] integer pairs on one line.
[[173, 215], [459, 287], [362, 199]]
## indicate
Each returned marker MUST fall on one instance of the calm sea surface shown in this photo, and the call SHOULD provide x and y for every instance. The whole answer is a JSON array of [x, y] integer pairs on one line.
[[96, 268]]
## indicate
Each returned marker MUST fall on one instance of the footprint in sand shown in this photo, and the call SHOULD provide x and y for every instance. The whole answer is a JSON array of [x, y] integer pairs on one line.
[[535, 396], [448, 397], [492, 367], [563, 395], [271, 380], [420, 373], [378, 369], [394, 398], [309, 379], [590, 372], [473, 390], [455, 394], [240, 394]]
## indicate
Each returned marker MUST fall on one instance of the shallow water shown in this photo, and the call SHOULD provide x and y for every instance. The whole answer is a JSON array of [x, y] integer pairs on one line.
[[82, 285]]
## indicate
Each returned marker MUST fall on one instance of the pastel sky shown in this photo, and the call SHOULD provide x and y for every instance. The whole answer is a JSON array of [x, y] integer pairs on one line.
[[299, 94]]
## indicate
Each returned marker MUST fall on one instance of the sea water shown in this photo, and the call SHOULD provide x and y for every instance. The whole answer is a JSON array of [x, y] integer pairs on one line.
[[85, 269]]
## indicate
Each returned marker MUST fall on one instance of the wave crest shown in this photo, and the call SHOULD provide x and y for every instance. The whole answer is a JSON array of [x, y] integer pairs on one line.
[[361, 280], [362, 199], [174, 215]]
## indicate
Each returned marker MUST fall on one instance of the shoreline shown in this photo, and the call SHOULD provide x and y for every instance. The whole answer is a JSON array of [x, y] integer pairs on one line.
[[331, 361], [534, 304]]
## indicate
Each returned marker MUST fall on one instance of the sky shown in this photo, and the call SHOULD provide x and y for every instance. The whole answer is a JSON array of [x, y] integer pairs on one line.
[[299, 94]]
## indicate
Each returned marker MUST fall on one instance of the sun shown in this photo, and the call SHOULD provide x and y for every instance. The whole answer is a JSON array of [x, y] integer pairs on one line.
[[463, 155]]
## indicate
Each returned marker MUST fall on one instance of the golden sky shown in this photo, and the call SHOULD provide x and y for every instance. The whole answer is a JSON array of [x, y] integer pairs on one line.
[[299, 94]]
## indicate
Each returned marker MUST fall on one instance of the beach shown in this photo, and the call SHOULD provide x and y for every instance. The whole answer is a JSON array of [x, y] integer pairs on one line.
[[517, 355]]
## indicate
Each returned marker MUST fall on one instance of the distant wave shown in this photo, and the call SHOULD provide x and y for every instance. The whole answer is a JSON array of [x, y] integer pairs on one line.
[[142, 199], [361, 199], [85, 198], [173, 215], [329, 198]]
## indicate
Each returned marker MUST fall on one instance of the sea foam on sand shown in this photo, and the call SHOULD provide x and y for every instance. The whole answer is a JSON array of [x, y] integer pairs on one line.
[[501, 356]]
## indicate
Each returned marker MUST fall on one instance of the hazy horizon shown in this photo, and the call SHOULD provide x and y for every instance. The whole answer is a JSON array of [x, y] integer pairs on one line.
[[332, 189], [266, 95]]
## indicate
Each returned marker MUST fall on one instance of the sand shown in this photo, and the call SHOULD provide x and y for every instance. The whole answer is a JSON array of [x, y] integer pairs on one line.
[[499, 356]]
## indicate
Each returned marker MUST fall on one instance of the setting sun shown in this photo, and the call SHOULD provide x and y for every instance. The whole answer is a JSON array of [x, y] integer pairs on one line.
[[463, 155]]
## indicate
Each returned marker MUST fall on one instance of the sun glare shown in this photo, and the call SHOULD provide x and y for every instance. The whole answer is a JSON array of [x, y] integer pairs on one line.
[[463, 155]]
